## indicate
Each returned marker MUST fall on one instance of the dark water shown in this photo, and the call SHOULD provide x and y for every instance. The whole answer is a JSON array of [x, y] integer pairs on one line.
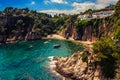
[[21, 61]]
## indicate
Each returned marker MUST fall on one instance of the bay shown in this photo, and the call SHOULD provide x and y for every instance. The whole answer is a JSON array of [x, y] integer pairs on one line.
[[29, 60]]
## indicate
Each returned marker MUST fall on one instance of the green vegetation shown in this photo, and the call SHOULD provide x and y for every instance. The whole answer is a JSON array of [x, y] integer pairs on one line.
[[96, 26], [21, 22], [108, 48], [85, 56], [105, 50]]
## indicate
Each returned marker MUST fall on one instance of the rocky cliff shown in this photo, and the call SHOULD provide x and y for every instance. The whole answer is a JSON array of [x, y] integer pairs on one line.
[[79, 66], [92, 30], [32, 36], [14, 28], [29, 36], [69, 31]]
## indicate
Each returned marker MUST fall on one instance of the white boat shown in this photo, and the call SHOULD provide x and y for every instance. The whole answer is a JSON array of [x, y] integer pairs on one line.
[[56, 45], [46, 42]]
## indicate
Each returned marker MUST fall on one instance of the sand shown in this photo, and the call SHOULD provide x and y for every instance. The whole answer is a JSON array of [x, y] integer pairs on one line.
[[87, 44]]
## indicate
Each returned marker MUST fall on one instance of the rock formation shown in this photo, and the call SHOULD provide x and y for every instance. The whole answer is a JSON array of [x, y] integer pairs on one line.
[[32, 36], [79, 66], [68, 31], [89, 32]]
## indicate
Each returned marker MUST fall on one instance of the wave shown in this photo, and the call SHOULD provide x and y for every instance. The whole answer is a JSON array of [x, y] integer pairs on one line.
[[51, 58]]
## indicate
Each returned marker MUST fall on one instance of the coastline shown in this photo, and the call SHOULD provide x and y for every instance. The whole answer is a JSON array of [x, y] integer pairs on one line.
[[87, 44], [56, 36], [79, 66], [52, 66], [55, 60]]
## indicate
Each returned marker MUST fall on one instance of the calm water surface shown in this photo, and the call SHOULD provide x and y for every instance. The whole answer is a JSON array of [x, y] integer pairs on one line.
[[29, 60]]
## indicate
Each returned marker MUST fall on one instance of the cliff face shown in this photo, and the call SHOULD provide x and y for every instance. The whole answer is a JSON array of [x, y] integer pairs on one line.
[[2, 38], [29, 36], [27, 27], [91, 31], [32, 36], [69, 31], [15, 28], [79, 67]]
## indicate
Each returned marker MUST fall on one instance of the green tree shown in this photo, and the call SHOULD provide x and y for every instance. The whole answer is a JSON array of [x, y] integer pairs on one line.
[[25, 10], [105, 49], [105, 46], [117, 9], [18, 12], [8, 10]]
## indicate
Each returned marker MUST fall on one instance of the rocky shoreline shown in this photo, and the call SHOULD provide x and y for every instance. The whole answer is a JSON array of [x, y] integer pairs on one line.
[[52, 66], [78, 67], [28, 37]]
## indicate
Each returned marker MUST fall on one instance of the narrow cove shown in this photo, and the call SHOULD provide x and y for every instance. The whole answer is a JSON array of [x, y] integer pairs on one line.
[[29, 60]]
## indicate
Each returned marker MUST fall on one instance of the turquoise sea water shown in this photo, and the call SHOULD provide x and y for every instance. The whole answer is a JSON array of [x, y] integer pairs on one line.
[[29, 60]]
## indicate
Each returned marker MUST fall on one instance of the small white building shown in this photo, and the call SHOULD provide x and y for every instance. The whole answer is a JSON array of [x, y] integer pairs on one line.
[[84, 17], [95, 15], [102, 14]]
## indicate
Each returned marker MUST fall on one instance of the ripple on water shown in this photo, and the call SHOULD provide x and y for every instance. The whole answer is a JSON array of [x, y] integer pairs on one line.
[[19, 61]]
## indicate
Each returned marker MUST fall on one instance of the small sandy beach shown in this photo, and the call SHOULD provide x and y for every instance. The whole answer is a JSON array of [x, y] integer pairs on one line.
[[87, 44], [55, 36]]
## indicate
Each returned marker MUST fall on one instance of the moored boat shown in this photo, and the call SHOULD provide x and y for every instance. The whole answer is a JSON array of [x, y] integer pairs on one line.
[[46, 42], [56, 45]]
